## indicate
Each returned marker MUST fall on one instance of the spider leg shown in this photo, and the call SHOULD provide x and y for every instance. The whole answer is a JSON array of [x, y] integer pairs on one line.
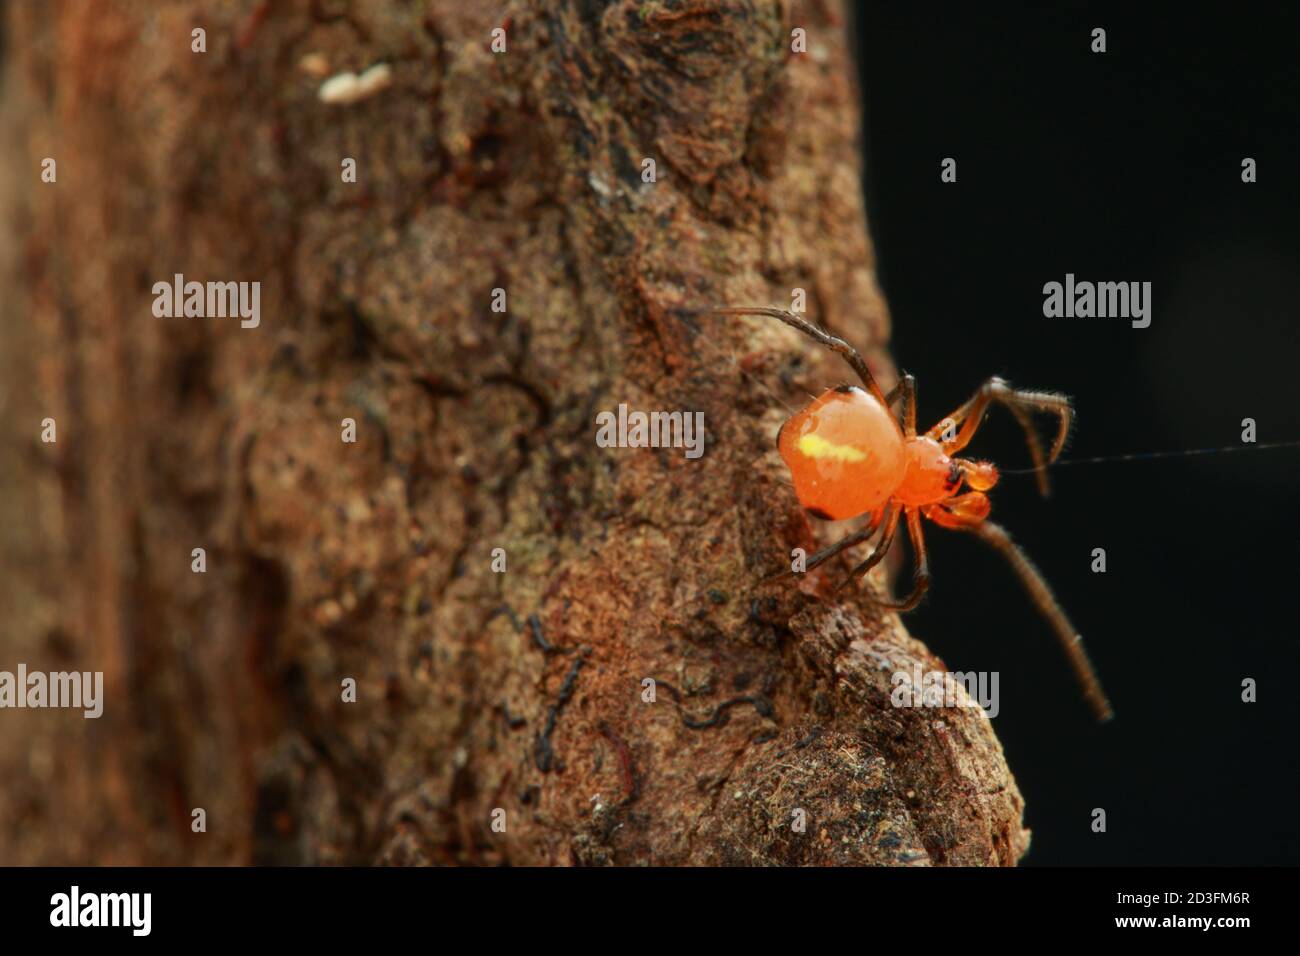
[[1019, 402], [906, 387], [890, 525], [825, 554], [832, 342], [865, 532], [1036, 446], [1034, 584], [921, 581]]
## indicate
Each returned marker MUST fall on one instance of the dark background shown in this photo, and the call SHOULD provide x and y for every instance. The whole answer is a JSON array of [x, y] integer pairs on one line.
[[1123, 166]]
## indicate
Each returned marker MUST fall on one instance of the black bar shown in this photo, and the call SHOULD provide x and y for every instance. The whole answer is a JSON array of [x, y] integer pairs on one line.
[[586, 908]]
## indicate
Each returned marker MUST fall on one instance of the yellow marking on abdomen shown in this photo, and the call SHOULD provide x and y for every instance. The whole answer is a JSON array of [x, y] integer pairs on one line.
[[814, 446]]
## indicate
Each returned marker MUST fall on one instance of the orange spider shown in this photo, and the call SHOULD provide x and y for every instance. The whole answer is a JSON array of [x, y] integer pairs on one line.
[[849, 456]]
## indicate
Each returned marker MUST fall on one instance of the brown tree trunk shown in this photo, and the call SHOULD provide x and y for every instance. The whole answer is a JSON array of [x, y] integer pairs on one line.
[[477, 691]]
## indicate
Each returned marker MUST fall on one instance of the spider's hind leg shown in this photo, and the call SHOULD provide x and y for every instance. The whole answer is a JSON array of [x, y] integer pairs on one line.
[[921, 580], [890, 522], [906, 388], [825, 554], [819, 335]]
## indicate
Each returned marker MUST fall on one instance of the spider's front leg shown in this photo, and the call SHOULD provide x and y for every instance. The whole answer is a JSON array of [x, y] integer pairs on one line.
[[968, 513], [1020, 402]]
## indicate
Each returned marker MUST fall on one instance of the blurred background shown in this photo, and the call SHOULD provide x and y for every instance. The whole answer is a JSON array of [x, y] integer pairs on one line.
[[1123, 166]]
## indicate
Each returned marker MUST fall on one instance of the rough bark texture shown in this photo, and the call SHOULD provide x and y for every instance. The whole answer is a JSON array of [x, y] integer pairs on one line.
[[476, 430]]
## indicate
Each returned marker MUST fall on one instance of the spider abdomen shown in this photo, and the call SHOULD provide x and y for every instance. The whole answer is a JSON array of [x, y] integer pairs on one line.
[[845, 453]]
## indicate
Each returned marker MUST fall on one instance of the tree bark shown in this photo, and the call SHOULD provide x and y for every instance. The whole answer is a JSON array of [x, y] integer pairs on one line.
[[477, 691]]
